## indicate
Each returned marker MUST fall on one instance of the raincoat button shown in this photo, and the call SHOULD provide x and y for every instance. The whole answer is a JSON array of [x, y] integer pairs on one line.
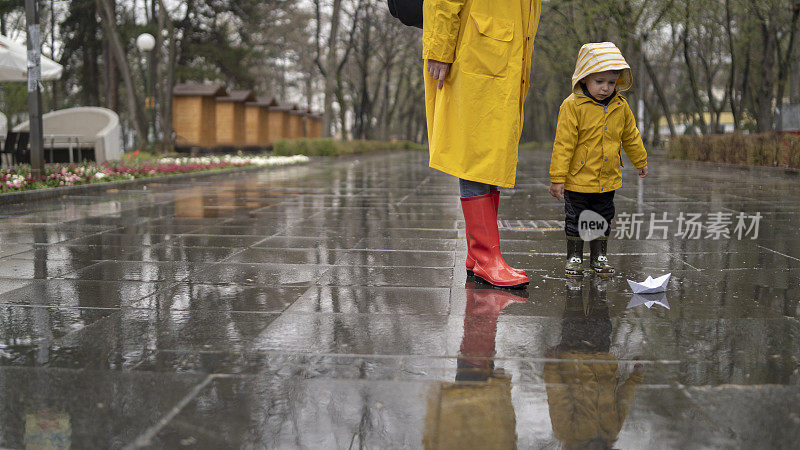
[[602, 189], [606, 128], [581, 162], [606, 159]]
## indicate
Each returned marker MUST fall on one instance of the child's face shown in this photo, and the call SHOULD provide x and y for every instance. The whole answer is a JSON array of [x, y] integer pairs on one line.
[[601, 84]]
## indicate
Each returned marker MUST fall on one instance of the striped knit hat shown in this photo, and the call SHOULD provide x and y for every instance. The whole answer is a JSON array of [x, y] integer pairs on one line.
[[600, 57]]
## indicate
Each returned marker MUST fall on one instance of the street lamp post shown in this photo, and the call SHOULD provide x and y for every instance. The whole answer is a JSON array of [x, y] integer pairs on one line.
[[146, 43], [34, 90]]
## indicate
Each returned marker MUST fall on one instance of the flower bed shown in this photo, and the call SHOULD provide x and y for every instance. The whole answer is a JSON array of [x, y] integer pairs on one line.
[[18, 178]]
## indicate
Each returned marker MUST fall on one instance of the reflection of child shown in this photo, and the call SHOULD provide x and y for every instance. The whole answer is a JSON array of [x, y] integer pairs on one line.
[[594, 122], [587, 404]]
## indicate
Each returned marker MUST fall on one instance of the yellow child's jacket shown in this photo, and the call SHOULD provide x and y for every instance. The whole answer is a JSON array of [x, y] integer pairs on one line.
[[590, 137]]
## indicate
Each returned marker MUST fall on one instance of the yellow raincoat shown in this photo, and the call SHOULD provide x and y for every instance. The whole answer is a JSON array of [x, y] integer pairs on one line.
[[475, 120], [587, 153]]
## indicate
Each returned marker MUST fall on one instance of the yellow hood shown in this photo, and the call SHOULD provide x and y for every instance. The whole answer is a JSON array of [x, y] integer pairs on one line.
[[600, 57]]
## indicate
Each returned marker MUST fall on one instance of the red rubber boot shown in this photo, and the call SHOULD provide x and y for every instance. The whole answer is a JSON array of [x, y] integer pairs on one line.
[[470, 259], [484, 238]]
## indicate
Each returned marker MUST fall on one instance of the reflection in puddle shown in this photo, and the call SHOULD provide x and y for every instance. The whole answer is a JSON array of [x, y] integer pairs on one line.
[[475, 411], [588, 401], [47, 430], [649, 300]]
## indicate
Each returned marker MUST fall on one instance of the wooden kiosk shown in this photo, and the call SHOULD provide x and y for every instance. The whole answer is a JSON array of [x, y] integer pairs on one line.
[[231, 120], [296, 123], [279, 122], [256, 122], [194, 114], [313, 125]]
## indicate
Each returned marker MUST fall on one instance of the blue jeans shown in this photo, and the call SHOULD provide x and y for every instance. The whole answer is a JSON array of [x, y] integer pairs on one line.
[[474, 188]]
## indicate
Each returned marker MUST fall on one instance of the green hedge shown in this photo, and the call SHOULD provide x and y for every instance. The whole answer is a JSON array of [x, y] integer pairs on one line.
[[736, 148], [332, 147]]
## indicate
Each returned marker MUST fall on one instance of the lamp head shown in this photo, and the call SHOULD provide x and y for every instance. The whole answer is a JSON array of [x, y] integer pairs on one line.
[[146, 42]]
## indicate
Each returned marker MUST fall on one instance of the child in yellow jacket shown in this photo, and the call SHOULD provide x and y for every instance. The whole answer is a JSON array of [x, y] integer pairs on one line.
[[594, 124]]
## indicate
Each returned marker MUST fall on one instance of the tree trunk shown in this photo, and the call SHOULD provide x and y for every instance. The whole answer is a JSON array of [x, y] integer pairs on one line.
[[54, 84], [108, 18], [794, 73], [158, 84], [166, 89], [693, 80], [339, 92], [784, 65], [735, 104], [662, 99], [187, 26], [330, 69], [767, 84]]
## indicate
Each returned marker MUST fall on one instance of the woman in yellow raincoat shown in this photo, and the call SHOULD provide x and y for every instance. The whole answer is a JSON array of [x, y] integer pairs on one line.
[[478, 60]]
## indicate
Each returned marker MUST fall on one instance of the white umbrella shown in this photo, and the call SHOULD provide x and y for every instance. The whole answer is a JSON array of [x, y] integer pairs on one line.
[[14, 63]]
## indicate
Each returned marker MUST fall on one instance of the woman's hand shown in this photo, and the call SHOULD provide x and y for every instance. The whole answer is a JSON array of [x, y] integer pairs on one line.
[[643, 172], [438, 70], [557, 190]]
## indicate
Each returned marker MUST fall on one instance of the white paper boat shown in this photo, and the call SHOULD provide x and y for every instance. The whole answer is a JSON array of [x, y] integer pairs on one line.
[[649, 300], [650, 285]]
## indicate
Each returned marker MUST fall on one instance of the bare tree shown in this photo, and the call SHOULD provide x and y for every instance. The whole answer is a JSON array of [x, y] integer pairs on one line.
[[328, 68], [109, 19]]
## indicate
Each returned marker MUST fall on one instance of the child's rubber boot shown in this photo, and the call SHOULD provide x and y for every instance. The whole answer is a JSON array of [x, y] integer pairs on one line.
[[484, 238], [470, 259], [598, 259], [574, 267]]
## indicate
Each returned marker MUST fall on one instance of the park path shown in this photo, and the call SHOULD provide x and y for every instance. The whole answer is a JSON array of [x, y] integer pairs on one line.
[[326, 306]]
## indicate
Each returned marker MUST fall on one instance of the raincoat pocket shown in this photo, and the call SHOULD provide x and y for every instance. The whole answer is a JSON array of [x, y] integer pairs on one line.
[[578, 160], [488, 47]]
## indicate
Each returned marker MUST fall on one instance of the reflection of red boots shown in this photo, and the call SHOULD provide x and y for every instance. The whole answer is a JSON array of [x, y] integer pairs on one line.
[[470, 259], [480, 330], [480, 215]]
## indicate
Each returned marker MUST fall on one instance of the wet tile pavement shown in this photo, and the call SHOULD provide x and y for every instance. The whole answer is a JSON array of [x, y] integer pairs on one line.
[[327, 306]]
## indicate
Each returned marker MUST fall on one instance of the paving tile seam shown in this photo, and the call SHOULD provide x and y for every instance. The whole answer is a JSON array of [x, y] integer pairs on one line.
[[19, 252], [68, 308], [144, 438], [347, 249], [401, 358], [700, 410], [97, 323], [200, 273], [459, 317], [282, 311], [240, 263], [679, 259], [782, 254], [13, 226]]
